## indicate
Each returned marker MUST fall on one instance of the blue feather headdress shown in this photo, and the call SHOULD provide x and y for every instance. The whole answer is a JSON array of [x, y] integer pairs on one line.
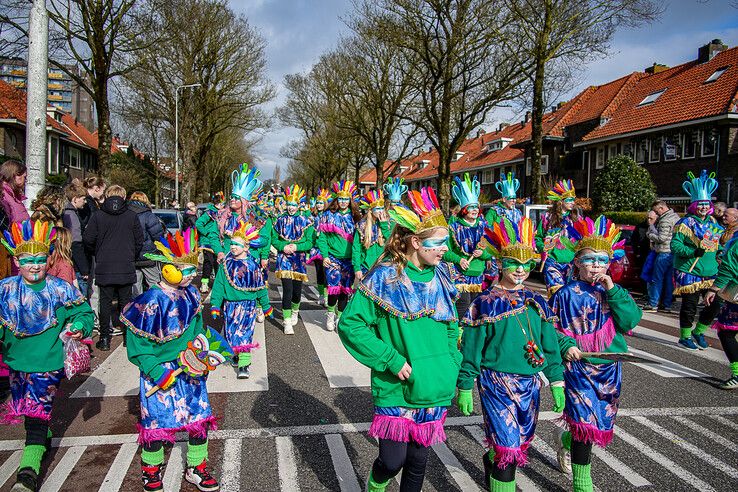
[[466, 192], [508, 185], [700, 189], [394, 189], [246, 182]]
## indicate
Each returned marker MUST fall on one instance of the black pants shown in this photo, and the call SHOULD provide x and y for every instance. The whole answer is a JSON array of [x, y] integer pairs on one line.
[[464, 301], [154, 446], [689, 310], [339, 300], [208, 264], [319, 272], [37, 431], [410, 457], [729, 343], [108, 294], [291, 292], [491, 470], [581, 453]]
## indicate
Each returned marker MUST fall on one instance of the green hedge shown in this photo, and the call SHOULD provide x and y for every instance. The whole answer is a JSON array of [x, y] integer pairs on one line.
[[627, 218]]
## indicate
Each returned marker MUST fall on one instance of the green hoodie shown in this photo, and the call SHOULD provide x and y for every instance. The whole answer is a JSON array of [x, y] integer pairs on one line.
[[362, 257], [384, 343], [684, 244], [332, 244], [207, 229], [455, 254]]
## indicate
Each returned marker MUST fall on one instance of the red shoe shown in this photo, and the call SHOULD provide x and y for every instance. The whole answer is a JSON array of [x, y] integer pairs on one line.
[[151, 476], [201, 478]]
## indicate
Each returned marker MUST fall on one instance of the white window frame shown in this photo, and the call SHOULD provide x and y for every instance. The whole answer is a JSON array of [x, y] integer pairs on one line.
[[716, 74], [529, 166], [640, 147], [651, 146], [585, 159], [651, 98], [487, 176], [612, 150], [630, 147], [600, 158], [684, 146], [74, 152], [705, 134], [53, 160], [664, 143]]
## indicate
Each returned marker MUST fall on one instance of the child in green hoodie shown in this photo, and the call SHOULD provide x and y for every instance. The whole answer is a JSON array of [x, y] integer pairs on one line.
[[372, 232], [402, 323]]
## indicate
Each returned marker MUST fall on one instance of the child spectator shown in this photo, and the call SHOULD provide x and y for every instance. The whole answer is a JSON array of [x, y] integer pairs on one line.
[[60, 261], [76, 195]]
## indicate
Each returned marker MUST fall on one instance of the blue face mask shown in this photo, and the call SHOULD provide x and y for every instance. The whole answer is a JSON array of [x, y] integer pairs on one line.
[[431, 243], [595, 260]]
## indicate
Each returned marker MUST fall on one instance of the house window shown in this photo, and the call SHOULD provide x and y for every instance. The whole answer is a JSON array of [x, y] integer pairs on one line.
[[529, 166], [716, 75], [585, 159], [708, 143], [74, 159], [544, 164], [628, 149], [655, 146], [689, 144], [53, 160], [641, 151], [612, 150], [600, 159], [651, 97], [487, 176], [671, 147]]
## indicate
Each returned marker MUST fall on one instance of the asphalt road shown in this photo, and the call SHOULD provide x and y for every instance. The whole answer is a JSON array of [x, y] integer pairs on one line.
[[300, 423]]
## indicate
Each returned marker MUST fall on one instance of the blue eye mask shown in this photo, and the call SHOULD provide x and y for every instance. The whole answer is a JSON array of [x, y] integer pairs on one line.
[[592, 259], [431, 243]]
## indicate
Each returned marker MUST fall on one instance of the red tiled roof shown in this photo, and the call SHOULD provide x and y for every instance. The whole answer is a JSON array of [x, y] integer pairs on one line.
[[370, 177], [686, 97]]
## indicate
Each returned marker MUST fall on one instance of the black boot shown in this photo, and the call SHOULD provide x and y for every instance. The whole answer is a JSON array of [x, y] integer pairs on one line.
[[103, 344], [488, 467], [26, 480]]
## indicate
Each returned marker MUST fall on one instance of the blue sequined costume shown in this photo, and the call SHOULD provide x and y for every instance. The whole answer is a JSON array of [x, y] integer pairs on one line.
[[291, 229]]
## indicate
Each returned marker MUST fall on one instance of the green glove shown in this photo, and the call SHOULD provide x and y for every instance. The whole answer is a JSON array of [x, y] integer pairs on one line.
[[559, 400], [76, 326], [465, 402]]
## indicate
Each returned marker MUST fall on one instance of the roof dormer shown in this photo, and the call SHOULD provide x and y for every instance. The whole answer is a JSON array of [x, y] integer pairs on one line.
[[498, 144], [458, 155]]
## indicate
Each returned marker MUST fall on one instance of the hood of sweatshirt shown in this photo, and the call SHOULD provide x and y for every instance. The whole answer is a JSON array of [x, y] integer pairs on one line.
[[114, 205]]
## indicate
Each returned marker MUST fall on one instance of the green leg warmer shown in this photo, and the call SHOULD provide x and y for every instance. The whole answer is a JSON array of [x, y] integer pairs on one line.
[[205, 281], [566, 440], [373, 486], [338, 315], [497, 486], [331, 309], [321, 290], [734, 368], [32, 456], [700, 329], [244, 359], [686, 332], [154, 458], [286, 313], [582, 477], [295, 306], [196, 453]]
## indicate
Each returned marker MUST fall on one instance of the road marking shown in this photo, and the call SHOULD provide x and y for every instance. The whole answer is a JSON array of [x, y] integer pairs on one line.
[[10, 466], [61, 471], [724, 421], [341, 369], [279, 291], [452, 464], [662, 460], [342, 464], [174, 470], [671, 322], [224, 380], [546, 451], [688, 447], [231, 472], [286, 464], [667, 368], [118, 470], [707, 433], [313, 291], [710, 353], [618, 466]]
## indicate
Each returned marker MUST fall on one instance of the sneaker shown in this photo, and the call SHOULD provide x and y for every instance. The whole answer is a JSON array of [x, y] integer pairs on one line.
[[259, 315], [201, 478], [730, 384], [648, 308], [288, 328], [701, 342], [295, 314], [26, 480], [234, 361], [103, 344], [330, 324], [116, 331], [666, 310], [563, 455], [151, 477], [243, 372], [687, 343]]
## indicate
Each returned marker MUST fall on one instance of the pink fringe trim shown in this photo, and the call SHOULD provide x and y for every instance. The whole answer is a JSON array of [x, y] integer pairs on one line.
[[334, 291], [13, 412], [507, 456], [334, 229], [720, 327], [245, 348], [314, 258], [401, 430], [584, 432], [199, 429], [594, 342]]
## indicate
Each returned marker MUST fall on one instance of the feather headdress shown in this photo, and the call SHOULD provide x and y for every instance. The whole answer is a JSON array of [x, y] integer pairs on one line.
[[246, 182], [324, 195], [508, 185], [177, 249], [425, 214], [700, 189], [598, 235], [294, 194], [507, 239], [373, 199], [248, 232], [466, 192], [345, 189], [394, 189], [29, 237], [562, 190]]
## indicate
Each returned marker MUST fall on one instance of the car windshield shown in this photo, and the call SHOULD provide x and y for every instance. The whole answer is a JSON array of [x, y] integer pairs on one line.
[[169, 219]]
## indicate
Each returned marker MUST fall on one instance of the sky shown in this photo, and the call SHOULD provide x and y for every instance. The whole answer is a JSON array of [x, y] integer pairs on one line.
[[297, 32]]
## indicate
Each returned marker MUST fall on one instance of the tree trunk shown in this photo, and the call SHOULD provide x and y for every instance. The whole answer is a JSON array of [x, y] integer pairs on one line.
[[104, 136], [444, 179], [537, 132]]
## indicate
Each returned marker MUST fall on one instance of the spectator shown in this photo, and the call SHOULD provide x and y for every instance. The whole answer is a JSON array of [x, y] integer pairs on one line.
[[76, 196], [114, 234], [95, 187], [719, 213], [190, 216], [152, 229], [14, 174], [60, 261], [5, 260], [48, 206], [660, 233], [730, 218]]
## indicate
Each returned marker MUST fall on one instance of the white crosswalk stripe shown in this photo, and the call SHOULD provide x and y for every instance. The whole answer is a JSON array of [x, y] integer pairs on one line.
[[670, 341], [452, 464], [231, 470], [8, 469], [666, 368], [117, 473], [286, 464], [55, 480], [347, 480], [726, 422], [718, 439], [621, 468], [671, 322], [173, 473]]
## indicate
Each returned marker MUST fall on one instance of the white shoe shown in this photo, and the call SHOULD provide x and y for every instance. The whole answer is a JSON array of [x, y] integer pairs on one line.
[[331, 321], [295, 314], [563, 455], [204, 288], [288, 327], [259, 315]]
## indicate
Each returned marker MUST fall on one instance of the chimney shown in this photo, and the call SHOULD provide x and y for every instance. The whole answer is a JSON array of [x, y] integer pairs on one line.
[[708, 51], [480, 132], [656, 68], [502, 126]]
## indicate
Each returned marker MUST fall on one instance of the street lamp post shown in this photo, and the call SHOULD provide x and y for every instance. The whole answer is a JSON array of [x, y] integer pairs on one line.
[[176, 138]]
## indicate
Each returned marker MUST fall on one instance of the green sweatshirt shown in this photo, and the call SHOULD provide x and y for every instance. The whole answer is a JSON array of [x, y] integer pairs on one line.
[[455, 254], [500, 346], [727, 273], [683, 246], [224, 291], [362, 257], [265, 236], [44, 352], [303, 245], [331, 244], [209, 236], [625, 315], [384, 343], [559, 255]]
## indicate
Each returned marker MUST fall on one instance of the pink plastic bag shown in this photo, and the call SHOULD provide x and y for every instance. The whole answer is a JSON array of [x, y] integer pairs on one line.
[[76, 354]]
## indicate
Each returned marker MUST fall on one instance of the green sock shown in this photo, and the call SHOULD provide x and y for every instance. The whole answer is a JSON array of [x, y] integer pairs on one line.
[[196, 453], [566, 440], [153, 458], [244, 359], [49, 435], [699, 329], [734, 368], [686, 332], [582, 477], [331, 309], [373, 486], [286, 313], [295, 306], [205, 281], [497, 486], [321, 290], [32, 456], [338, 314]]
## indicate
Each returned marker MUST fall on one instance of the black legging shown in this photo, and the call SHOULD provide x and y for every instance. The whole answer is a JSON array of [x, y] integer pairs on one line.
[[208, 264], [581, 452], [410, 457], [464, 301], [154, 446], [689, 310], [491, 470], [319, 273], [730, 344], [338, 299], [291, 292], [37, 431]]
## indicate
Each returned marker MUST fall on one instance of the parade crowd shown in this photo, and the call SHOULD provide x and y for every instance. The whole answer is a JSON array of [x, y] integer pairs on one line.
[[432, 304]]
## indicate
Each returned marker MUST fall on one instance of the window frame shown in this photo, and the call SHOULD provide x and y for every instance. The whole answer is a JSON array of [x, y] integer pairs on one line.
[[722, 70], [600, 152], [684, 146], [75, 152], [651, 98], [651, 147], [702, 145], [664, 143]]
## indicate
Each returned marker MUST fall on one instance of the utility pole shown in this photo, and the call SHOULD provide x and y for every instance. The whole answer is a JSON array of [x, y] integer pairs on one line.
[[38, 52]]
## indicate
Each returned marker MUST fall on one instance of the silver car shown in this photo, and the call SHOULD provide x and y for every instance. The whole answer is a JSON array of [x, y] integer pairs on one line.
[[170, 218]]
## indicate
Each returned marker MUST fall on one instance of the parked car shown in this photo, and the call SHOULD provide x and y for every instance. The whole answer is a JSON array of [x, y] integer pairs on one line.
[[171, 219], [627, 270]]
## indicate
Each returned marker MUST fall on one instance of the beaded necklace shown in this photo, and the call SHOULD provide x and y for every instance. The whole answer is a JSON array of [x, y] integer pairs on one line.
[[533, 353]]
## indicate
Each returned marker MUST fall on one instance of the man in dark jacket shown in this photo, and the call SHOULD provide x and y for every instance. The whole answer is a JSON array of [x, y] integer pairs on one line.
[[115, 236], [148, 272]]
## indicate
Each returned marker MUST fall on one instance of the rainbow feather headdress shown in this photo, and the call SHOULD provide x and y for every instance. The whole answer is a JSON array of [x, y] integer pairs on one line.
[[29, 237], [508, 185], [345, 189], [178, 249], [218, 198], [324, 195], [700, 189], [373, 199], [466, 192], [246, 182], [426, 213], [248, 232], [562, 190], [294, 195], [598, 235], [394, 189], [507, 239]]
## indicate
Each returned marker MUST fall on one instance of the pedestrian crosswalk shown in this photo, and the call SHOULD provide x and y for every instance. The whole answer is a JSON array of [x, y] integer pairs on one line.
[[648, 451]]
